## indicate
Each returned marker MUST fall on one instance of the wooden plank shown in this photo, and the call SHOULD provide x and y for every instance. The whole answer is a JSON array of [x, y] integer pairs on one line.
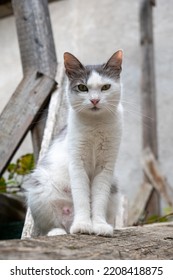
[[37, 50], [38, 56], [155, 176], [148, 92], [139, 204], [16, 119], [132, 243], [38, 130], [7, 10], [35, 36], [56, 120]]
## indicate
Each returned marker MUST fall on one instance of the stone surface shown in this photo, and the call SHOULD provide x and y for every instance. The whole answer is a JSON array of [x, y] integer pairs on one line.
[[146, 242]]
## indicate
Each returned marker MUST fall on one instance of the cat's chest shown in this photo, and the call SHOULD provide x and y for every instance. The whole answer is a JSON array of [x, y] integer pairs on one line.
[[96, 148]]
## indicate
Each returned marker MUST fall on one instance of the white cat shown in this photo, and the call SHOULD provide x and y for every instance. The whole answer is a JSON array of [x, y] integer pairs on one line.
[[73, 188]]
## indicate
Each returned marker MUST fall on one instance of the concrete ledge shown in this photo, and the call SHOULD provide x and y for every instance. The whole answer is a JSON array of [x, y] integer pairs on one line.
[[144, 242]]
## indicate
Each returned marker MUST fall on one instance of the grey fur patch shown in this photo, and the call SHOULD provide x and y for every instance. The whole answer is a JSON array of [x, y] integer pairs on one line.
[[111, 72], [84, 74]]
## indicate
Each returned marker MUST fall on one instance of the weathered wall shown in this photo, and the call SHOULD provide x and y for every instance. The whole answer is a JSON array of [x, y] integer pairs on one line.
[[93, 30]]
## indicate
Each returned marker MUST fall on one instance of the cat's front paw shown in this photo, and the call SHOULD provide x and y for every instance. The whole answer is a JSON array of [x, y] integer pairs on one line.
[[56, 231], [81, 227], [103, 229]]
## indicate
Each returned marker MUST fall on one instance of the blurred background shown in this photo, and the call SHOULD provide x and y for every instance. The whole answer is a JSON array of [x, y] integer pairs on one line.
[[93, 30]]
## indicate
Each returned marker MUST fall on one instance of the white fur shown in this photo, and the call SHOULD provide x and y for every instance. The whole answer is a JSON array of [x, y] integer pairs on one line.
[[70, 189]]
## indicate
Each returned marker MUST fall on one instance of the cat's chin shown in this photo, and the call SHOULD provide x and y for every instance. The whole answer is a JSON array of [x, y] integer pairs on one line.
[[95, 109]]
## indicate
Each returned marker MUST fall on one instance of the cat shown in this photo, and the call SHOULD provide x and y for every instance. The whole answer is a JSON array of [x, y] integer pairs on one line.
[[73, 188]]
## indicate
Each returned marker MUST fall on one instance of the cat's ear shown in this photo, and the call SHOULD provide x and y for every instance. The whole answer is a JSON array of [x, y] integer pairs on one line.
[[113, 66], [72, 65]]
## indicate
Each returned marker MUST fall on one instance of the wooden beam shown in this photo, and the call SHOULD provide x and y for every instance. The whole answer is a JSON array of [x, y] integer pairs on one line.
[[38, 130], [138, 207], [21, 111], [150, 242], [148, 92], [7, 10], [155, 176], [35, 36], [39, 66], [37, 50]]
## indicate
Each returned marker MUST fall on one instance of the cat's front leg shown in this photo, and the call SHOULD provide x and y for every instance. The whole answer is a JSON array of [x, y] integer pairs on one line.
[[81, 200], [100, 199]]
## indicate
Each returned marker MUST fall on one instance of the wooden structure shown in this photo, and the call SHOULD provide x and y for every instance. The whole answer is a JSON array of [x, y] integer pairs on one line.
[[6, 8], [147, 200], [154, 186], [149, 242], [37, 98], [33, 93], [148, 94]]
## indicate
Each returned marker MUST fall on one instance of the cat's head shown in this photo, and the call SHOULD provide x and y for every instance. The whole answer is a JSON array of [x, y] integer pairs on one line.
[[94, 88]]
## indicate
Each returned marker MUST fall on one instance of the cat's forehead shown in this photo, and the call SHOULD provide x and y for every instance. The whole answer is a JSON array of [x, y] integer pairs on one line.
[[96, 75], [95, 79]]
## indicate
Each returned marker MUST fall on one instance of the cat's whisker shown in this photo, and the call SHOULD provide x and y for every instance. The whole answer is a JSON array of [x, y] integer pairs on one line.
[[39, 120], [82, 107], [113, 105], [139, 118], [130, 103], [139, 113], [109, 110], [125, 102]]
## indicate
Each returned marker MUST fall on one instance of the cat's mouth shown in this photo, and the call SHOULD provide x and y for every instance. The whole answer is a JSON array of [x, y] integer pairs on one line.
[[95, 108]]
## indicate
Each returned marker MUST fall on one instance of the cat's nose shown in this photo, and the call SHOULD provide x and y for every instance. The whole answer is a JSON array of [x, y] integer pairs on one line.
[[95, 101]]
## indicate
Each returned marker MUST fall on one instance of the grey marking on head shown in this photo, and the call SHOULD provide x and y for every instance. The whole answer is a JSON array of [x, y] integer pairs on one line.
[[78, 73], [83, 75], [103, 71]]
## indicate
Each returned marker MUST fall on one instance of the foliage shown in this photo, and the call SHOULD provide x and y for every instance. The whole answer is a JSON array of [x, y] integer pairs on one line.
[[2, 185], [16, 172], [166, 217], [157, 219]]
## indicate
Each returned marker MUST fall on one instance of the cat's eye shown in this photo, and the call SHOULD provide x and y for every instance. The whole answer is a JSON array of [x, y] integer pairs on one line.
[[106, 87], [82, 87]]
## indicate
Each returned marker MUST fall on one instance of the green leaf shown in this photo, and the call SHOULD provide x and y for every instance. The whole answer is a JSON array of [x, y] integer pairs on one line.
[[157, 219], [10, 176], [152, 219], [2, 185], [11, 168], [163, 219], [168, 210], [25, 164]]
